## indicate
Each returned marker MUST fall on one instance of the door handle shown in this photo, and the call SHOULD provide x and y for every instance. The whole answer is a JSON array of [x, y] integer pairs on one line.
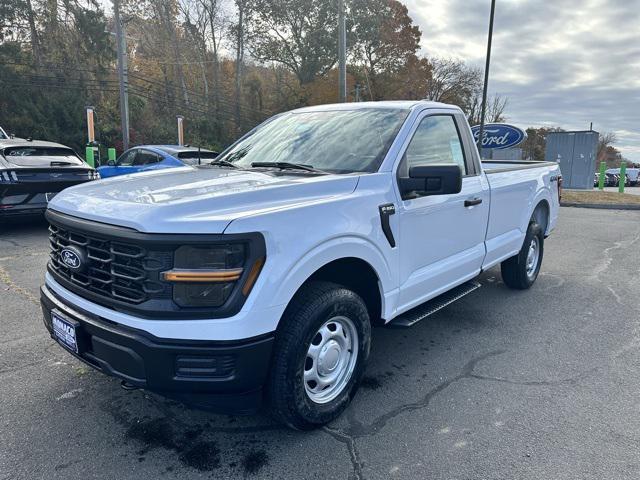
[[472, 202]]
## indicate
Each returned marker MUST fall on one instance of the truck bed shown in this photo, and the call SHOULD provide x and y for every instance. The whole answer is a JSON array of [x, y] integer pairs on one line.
[[497, 166]]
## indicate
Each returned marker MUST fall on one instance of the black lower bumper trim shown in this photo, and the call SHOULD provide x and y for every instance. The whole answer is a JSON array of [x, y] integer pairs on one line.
[[218, 375]]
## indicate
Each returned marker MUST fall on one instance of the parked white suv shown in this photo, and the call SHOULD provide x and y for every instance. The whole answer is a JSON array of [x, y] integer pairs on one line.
[[260, 276]]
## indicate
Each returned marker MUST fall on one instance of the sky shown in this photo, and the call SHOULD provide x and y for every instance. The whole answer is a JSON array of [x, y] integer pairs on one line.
[[563, 63]]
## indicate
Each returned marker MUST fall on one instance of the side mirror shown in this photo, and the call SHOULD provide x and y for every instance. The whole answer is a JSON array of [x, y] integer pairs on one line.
[[431, 180], [111, 163]]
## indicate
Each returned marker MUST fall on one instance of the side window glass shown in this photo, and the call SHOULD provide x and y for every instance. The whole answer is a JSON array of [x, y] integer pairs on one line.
[[144, 157], [126, 159], [436, 141]]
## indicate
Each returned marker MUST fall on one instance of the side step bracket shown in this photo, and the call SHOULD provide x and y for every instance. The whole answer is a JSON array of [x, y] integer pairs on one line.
[[413, 316]]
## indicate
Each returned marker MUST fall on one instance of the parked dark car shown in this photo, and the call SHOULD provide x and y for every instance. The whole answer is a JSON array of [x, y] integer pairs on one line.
[[611, 180], [155, 157], [32, 172]]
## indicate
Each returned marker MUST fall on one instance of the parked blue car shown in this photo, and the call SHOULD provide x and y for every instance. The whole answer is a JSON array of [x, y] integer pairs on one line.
[[154, 157]]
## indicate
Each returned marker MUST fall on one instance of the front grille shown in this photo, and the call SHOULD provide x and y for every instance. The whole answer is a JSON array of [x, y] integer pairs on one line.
[[114, 270]]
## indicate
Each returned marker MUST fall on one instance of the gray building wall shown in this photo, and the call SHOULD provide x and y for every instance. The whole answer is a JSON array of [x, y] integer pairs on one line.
[[576, 153]]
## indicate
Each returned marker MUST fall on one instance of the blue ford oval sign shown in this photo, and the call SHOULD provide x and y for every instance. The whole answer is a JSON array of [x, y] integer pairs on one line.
[[499, 135]]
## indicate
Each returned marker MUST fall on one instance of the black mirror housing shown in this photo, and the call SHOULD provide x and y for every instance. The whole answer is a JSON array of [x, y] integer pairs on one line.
[[111, 163], [425, 180]]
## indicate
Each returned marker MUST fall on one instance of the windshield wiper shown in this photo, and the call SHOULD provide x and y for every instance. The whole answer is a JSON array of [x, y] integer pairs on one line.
[[223, 163], [287, 166], [59, 164]]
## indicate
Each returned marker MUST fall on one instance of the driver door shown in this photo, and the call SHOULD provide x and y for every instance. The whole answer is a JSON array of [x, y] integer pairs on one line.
[[441, 236], [122, 166]]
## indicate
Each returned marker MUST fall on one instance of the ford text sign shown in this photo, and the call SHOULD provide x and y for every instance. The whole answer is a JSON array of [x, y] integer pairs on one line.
[[499, 135]]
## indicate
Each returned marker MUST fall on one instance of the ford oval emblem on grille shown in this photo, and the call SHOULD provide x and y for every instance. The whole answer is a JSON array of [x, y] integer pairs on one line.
[[72, 258]]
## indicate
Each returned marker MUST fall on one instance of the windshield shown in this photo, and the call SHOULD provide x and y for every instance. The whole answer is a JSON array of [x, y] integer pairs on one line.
[[336, 141], [3, 135]]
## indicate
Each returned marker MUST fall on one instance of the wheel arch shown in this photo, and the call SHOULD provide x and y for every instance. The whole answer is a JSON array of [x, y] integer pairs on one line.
[[541, 214], [355, 264]]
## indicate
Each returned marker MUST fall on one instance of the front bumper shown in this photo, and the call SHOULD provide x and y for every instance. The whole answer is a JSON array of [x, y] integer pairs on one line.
[[225, 376]]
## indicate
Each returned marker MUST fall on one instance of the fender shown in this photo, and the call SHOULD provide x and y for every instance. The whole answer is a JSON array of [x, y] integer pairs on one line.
[[335, 249], [543, 193]]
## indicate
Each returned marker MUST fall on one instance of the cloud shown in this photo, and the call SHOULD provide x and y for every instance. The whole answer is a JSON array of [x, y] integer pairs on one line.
[[562, 63]]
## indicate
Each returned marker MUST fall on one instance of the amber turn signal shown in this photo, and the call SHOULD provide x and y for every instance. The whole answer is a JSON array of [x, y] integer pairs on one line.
[[253, 275], [202, 276]]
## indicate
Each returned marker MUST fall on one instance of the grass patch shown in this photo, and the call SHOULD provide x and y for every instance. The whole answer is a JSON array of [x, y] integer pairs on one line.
[[597, 197]]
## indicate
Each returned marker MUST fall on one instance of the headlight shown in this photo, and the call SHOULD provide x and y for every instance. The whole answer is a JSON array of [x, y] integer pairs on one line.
[[207, 276]]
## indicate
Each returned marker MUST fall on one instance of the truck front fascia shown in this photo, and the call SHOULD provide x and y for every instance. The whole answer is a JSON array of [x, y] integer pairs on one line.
[[159, 303]]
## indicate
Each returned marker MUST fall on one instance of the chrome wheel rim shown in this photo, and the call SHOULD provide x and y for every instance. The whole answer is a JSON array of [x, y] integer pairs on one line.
[[331, 359], [532, 257]]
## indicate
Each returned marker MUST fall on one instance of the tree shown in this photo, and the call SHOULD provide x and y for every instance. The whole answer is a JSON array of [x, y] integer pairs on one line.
[[494, 113], [452, 81], [385, 40], [605, 140], [300, 34]]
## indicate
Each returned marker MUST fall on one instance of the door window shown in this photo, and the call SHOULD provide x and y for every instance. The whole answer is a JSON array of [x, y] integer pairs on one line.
[[126, 159], [435, 141], [145, 157]]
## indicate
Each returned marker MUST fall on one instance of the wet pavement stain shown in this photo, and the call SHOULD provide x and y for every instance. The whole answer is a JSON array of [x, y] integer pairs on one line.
[[153, 434], [192, 449], [370, 383], [203, 456], [254, 461]]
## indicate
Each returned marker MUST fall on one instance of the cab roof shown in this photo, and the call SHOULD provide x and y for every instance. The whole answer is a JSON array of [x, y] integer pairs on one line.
[[390, 104]]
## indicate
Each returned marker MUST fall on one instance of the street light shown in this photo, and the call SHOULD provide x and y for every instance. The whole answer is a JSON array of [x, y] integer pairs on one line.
[[486, 77]]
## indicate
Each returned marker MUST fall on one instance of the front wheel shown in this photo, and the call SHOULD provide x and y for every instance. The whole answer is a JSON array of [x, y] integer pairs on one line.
[[521, 270], [320, 355]]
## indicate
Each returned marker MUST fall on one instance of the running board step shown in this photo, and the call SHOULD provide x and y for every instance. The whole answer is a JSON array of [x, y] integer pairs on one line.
[[413, 316]]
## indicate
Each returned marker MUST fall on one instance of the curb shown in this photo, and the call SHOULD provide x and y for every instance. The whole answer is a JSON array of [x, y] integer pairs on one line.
[[602, 206]]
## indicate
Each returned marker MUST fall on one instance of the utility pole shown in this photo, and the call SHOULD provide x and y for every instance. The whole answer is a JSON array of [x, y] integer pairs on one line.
[[123, 75], [180, 119], [486, 77], [342, 53]]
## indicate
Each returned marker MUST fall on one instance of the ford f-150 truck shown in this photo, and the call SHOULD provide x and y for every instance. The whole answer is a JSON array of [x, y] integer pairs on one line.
[[258, 277]]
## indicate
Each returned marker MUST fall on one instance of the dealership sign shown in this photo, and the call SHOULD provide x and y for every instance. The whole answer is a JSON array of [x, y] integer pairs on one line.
[[499, 135]]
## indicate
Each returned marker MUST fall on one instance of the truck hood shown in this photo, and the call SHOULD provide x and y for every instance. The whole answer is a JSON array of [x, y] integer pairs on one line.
[[194, 200]]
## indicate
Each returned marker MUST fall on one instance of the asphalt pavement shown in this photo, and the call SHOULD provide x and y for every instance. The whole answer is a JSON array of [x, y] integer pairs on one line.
[[540, 384]]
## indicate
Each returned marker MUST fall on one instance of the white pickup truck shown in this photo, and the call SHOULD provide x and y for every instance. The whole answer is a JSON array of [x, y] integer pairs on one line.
[[259, 276]]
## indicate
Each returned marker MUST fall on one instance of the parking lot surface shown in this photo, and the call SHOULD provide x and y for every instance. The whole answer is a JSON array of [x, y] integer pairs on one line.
[[540, 384]]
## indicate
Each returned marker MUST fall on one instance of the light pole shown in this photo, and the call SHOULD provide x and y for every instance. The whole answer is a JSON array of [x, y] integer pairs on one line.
[[486, 78], [342, 53], [123, 76]]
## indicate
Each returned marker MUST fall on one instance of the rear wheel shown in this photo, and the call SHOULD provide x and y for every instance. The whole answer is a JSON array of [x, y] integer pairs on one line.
[[521, 270], [320, 355]]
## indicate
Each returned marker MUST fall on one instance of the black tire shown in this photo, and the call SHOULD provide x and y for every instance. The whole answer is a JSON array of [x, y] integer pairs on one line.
[[312, 307], [514, 269]]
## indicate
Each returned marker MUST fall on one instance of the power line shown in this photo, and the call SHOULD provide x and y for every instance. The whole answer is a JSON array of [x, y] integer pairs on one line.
[[62, 87], [192, 93], [111, 82]]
